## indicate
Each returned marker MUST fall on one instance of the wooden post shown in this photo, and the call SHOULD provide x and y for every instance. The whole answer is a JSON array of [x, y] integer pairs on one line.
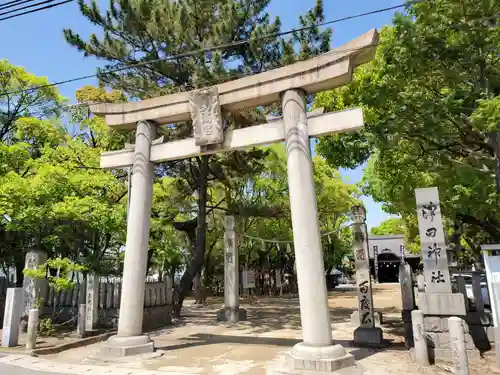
[[461, 289], [476, 290]]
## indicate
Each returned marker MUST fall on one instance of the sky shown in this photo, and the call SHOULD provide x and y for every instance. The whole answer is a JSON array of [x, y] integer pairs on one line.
[[36, 42]]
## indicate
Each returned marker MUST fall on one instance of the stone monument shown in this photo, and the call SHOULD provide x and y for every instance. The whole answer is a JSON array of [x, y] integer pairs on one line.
[[231, 311], [408, 299], [33, 288], [12, 318], [366, 333], [91, 301], [437, 303], [289, 85]]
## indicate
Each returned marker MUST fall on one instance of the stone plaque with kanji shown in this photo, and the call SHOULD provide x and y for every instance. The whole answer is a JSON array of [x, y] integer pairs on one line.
[[206, 116], [432, 241]]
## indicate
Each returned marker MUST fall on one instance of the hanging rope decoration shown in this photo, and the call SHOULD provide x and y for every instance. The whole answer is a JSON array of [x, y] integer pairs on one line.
[[263, 240]]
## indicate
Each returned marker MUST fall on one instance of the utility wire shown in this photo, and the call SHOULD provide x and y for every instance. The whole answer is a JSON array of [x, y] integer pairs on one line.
[[34, 10], [15, 3], [213, 48], [27, 6]]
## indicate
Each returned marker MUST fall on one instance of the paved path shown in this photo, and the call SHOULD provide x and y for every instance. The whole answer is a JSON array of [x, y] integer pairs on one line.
[[15, 370], [27, 365]]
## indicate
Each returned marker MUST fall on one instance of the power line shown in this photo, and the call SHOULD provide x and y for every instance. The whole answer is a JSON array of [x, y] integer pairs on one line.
[[213, 48], [34, 10], [26, 6], [14, 3]]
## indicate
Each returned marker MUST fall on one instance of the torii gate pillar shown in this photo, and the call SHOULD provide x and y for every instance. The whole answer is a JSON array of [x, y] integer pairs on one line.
[[316, 352], [129, 339]]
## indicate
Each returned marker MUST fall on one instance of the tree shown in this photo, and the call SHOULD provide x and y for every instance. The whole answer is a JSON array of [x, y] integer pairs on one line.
[[155, 35], [16, 100], [389, 226], [430, 99], [55, 196]]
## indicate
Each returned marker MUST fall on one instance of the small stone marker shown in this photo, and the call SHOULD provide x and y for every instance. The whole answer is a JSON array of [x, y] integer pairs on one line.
[[12, 318], [458, 348], [432, 241], [408, 298], [32, 329], [421, 282], [231, 311], [406, 283], [419, 338], [366, 333], [81, 322], [92, 302]]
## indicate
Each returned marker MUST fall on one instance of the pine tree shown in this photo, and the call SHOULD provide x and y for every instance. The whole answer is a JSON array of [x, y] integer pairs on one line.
[[138, 31]]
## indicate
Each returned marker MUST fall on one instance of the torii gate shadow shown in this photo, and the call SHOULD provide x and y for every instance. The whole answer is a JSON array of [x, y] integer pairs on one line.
[[202, 339]]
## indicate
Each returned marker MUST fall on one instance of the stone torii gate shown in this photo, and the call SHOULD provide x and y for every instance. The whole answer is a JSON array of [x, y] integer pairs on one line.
[[289, 84]]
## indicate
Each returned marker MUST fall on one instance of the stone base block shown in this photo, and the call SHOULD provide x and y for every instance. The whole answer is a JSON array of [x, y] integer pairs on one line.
[[441, 340], [308, 360], [355, 318], [283, 369], [231, 315], [451, 304], [446, 355], [369, 336], [117, 346]]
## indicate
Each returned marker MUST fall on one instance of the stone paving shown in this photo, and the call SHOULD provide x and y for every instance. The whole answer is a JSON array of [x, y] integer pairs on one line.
[[198, 345]]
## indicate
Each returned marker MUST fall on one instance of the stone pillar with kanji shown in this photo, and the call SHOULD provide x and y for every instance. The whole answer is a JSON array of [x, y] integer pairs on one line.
[[231, 312], [366, 333], [438, 302]]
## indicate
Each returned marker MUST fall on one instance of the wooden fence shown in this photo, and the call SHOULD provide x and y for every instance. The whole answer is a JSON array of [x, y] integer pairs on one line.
[[155, 294]]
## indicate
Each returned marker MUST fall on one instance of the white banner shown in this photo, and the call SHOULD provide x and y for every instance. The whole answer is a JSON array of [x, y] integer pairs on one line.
[[492, 265]]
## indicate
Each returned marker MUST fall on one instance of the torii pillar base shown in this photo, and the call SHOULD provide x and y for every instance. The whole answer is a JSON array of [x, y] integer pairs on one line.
[[117, 346], [303, 360], [231, 315]]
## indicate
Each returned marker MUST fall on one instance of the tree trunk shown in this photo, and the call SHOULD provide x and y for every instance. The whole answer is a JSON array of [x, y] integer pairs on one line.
[[198, 244], [20, 264]]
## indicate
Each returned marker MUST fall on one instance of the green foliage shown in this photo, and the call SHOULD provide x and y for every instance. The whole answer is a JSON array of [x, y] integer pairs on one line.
[[46, 328], [430, 100], [62, 267], [39, 104], [389, 226]]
